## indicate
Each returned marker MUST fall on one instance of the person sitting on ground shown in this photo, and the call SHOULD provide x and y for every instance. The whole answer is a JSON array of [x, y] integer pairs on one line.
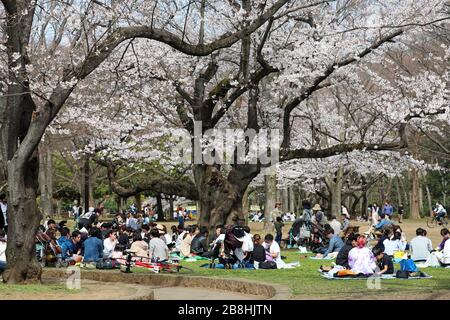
[[185, 246], [334, 245], [278, 223], [181, 233], [345, 223], [118, 252], [2, 250], [70, 250], [393, 244], [163, 234], [361, 259], [420, 246], [335, 224], [139, 247], [273, 250], [173, 237], [216, 243], [244, 253], [342, 256], [93, 246], [198, 244], [132, 222], [387, 233], [383, 261], [259, 253], [109, 244], [442, 253], [378, 229], [124, 236], [51, 225], [158, 250]]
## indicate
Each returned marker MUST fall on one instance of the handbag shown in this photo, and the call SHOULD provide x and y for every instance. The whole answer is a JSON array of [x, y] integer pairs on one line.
[[408, 265]]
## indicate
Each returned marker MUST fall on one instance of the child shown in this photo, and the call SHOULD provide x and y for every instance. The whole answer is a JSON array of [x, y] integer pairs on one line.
[[278, 228], [384, 262]]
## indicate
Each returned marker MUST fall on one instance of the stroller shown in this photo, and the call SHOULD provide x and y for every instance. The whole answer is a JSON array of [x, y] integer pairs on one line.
[[225, 251], [299, 234]]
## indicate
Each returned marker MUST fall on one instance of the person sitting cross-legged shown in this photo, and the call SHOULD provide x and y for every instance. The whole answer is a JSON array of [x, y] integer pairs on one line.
[[361, 259], [158, 250], [383, 261], [93, 246], [334, 245], [420, 246]]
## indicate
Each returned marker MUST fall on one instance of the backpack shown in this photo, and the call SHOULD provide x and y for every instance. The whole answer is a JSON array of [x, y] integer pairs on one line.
[[408, 265], [231, 235], [402, 274], [268, 265], [107, 264]]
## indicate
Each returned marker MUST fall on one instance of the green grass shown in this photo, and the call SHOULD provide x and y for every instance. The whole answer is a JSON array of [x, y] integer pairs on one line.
[[6, 289], [305, 281]]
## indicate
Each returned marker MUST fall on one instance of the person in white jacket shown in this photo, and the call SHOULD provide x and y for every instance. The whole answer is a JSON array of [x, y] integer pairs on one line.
[[2, 250], [394, 244]]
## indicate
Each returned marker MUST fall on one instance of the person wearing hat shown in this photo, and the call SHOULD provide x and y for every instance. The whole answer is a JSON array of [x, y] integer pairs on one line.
[[318, 216], [361, 258]]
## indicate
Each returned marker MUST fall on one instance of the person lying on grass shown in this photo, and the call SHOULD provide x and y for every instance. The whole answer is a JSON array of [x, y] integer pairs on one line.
[[384, 262]]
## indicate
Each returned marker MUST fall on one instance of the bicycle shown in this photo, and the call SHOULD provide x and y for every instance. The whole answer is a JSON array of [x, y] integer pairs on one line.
[[433, 221]]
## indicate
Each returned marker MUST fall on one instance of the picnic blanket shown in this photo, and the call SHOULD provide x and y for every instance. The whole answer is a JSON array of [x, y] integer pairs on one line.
[[322, 258], [365, 277], [221, 266], [187, 259]]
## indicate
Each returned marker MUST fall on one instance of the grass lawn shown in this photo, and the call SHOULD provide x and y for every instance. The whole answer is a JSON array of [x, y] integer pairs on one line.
[[30, 289], [305, 281]]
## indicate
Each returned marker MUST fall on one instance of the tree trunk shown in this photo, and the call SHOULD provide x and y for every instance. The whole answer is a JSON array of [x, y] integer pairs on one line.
[[221, 198], [430, 205], [86, 183], [336, 193], [137, 199], [399, 195], [23, 222], [46, 180], [415, 210], [159, 207], [270, 186], [291, 199], [246, 205]]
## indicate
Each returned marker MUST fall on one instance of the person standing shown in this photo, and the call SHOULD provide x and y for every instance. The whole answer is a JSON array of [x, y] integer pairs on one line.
[[274, 214], [278, 229], [375, 214], [388, 209], [3, 213], [401, 211]]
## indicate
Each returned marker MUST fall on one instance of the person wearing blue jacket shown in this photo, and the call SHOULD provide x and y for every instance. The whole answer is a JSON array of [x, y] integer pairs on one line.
[[334, 245], [93, 246]]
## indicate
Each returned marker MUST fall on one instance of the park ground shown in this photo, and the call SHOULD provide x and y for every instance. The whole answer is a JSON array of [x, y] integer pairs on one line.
[[304, 281]]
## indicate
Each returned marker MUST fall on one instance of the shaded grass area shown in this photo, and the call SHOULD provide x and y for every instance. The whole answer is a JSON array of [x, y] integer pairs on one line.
[[305, 281]]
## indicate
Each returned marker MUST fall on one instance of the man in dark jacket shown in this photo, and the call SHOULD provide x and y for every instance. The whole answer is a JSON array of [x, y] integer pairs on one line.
[[198, 244], [342, 257]]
